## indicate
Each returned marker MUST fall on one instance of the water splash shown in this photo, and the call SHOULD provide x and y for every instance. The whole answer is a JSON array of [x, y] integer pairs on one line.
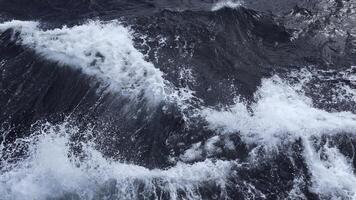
[[51, 170], [101, 49]]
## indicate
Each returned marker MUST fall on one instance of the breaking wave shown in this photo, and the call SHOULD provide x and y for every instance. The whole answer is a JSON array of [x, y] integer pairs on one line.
[[104, 50], [177, 100], [52, 171]]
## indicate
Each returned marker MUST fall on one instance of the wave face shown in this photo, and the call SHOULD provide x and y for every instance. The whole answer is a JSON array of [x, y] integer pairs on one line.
[[177, 99]]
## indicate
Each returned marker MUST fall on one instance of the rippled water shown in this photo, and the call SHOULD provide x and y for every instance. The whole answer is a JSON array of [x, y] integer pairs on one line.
[[177, 99]]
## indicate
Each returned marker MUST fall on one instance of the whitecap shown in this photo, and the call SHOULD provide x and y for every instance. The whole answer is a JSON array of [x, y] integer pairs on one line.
[[101, 49], [226, 4]]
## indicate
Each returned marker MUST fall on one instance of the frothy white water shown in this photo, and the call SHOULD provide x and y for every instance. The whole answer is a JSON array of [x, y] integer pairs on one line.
[[104, 50], [226, 3], [329, 85], [279, 113], [51, 171], [332, 176]]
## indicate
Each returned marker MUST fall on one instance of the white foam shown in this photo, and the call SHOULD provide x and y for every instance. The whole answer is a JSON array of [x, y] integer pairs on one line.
[[208, 149], [101, 49], [333, 80], [51, 171], [279, 113], [2, 63], [296, 192], [193, 153], [333, 176], [226, 4]]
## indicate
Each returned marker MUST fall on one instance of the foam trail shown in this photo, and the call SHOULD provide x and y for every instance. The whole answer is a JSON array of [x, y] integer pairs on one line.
[[333, 176], [279, 114], [51, 171], [104, 50], [226, 4]]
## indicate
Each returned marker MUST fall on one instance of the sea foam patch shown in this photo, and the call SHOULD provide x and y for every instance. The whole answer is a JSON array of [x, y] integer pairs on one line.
[[226, 4], [51, 171], [282, 113], [332, 173], [279, 112], [101, 49]]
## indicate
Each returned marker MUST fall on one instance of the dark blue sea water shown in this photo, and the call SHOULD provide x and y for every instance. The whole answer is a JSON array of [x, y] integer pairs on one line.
[[177, 99]]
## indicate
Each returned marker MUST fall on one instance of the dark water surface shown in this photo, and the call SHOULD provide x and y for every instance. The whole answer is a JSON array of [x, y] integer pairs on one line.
[[179, 99]]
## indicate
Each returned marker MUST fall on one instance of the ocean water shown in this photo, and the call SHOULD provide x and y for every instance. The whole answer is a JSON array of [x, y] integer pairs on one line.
[[177, 99]]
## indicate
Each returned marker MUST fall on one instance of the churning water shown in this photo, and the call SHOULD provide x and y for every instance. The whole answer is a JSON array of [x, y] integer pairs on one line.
[[177, 99]]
